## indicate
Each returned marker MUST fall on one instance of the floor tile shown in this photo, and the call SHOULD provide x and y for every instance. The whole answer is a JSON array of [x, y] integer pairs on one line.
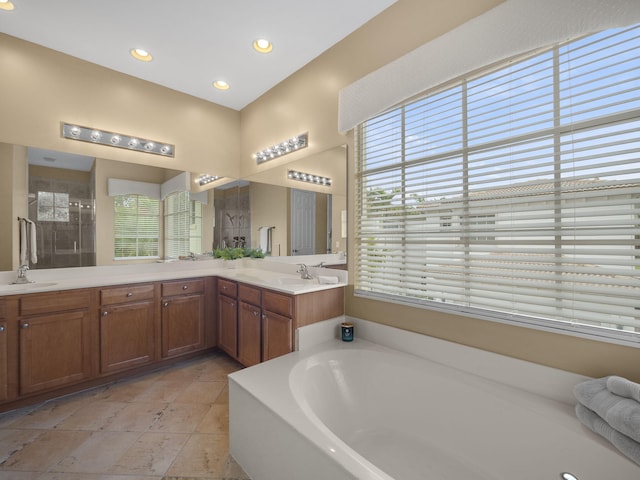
[[20, 475], [136, 417], [206, 456], [98, 453], [44, 451], [94, 476], [161, 391], [152, 454], [201, 392], [91, 416], [171, 424], [180, 418], [14, 440], [216, 421]]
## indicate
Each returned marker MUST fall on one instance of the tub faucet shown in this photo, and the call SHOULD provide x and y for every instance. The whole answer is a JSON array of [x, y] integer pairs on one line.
[[304, 272], [22, 275]]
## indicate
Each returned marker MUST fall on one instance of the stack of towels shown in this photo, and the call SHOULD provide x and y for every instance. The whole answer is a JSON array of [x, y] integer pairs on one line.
[[610, 406]]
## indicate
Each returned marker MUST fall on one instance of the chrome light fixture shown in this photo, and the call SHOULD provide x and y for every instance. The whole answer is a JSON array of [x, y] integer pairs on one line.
[[309, 178], [120, 140], [282, 148], [205, 178]]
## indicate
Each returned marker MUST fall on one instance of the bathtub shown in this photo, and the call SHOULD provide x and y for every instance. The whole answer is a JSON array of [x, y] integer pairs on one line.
[[361, 410]]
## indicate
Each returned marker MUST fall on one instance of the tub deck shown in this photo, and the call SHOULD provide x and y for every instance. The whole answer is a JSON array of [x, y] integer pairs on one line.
[[309, 415]]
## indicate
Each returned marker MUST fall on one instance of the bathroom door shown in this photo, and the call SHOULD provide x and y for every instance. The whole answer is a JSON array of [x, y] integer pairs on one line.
[[303, 222]]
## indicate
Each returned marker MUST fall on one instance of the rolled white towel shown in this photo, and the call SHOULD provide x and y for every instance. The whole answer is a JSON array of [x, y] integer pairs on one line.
[[23, 242], [327, 280], [623, 387], [623, 443], [33, 242], [621, 413]]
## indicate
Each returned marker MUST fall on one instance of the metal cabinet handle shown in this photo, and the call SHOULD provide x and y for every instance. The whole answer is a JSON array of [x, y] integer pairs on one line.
[[105, 313], [255, 313], [1, 328], [264, 316], [184, 287], [25, 325], [165, 304], [129, 294]]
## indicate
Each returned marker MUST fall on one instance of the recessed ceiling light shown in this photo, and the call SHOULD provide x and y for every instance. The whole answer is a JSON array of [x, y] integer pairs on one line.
[[141, 54], [221, 85], [262, 45], [6, 5]]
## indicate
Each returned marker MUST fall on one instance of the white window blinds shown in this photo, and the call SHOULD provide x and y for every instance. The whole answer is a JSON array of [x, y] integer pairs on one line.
[[136, 226], [177, 222], [512, 194]]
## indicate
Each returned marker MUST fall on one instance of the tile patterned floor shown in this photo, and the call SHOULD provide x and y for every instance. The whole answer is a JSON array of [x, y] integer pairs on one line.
[[168, 425]]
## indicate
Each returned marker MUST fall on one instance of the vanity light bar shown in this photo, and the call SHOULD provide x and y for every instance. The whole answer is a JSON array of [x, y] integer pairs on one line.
[[206, 178], [309, 178], [120, 140], [282, 148]]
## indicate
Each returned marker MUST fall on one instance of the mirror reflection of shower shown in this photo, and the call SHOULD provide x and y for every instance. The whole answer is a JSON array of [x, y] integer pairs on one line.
[[62, 204]]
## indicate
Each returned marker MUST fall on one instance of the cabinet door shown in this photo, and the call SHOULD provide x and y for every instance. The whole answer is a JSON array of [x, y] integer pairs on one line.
[[228, 325], [249, 334], [54, 350], [3, 361], [277, 335], [126, 336], [182, 325]]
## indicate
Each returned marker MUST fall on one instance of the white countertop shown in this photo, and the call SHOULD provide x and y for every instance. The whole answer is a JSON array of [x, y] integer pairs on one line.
[[272, 275]]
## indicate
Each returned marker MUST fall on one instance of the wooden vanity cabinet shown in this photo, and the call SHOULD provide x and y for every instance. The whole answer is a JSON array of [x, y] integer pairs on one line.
[[183, 317], [277, 324], [55, 341], [228, 316], [249, 325], [267, 319], [127, 327]]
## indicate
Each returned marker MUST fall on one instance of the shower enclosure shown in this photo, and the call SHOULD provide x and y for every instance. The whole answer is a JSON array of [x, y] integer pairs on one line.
[[62, 204]]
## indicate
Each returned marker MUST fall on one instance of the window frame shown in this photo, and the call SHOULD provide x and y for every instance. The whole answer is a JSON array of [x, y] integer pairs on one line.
[[137, 237], [557, 326]]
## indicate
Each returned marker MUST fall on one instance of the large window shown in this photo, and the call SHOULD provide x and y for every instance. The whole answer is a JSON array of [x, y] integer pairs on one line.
[[512, 194], [136, 226], [182, 225]]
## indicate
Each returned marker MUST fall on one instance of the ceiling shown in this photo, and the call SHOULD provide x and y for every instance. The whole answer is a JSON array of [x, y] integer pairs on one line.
[[194, 42]]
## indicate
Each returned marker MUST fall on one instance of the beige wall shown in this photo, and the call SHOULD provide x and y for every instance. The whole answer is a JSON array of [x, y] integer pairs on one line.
[[41, 88], [307, 101], [105, 212], [269, 208], [13, 179]]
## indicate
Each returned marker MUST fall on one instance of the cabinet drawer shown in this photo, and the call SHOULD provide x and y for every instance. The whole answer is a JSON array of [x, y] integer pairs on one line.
[[278, 303], [60, 301], [182, 287], [249, 294], [227, 287], [130, 293]]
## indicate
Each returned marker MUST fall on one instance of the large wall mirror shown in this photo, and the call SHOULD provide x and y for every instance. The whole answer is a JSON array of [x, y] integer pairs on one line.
[[303, 218], [68, 199]]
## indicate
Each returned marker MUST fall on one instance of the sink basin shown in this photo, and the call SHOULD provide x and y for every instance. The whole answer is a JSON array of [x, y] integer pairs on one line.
[[19, 287]]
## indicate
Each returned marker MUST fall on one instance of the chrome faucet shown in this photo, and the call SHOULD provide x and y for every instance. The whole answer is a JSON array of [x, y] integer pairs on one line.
[[22, 275], [304, 272]]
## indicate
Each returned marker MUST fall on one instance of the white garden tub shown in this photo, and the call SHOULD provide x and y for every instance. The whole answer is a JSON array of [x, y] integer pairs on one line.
[[362, 411]]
